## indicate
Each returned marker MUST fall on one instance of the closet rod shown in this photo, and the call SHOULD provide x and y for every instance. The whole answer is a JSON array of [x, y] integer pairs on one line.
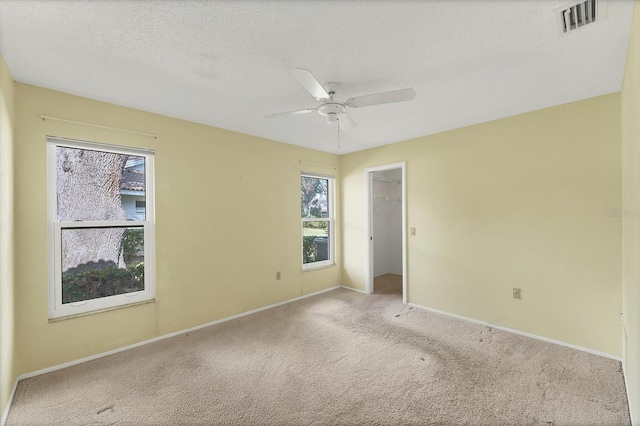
[[46, 117], [386, 180], [381, 197]]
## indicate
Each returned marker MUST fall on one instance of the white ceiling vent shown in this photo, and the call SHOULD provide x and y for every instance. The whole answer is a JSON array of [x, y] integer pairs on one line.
[[578, 15]]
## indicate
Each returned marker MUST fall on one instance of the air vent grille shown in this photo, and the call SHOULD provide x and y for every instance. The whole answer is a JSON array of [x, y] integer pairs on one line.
[[578, 15]]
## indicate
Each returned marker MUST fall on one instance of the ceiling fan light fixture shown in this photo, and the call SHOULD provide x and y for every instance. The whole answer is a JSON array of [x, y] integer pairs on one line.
[[332, 118]]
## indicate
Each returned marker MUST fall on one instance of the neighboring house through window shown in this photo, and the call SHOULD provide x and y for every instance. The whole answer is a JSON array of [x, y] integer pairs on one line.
[[101, 226], [316, 196], [132, 188]]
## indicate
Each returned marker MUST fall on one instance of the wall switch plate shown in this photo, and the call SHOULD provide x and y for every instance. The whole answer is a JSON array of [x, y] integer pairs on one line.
[[412, 231], [516, 293], [278, 275]]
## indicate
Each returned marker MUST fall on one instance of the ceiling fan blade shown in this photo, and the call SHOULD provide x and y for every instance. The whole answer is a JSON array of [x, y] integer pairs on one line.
[[285, 114], [346, 122], [310, 82], [381, 98]]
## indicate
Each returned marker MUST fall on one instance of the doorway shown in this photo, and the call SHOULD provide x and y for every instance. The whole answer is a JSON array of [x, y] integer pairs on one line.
[[386, 230]]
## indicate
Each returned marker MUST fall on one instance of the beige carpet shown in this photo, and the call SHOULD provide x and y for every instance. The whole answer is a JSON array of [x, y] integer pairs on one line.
[[338, 358]]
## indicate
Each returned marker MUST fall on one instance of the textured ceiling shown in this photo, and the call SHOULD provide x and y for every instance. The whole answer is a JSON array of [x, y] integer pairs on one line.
[[224, 63]]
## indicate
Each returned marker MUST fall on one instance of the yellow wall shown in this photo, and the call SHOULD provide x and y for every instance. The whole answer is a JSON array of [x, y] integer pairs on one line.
[[7, 372], [518, 202], [227, 218], [631, 224]]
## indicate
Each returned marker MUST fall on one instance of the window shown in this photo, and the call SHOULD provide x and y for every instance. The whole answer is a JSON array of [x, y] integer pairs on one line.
[[100, 255], [141, 206], [316, 196]]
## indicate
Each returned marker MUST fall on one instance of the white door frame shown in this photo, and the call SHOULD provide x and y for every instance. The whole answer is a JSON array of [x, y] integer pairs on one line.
[[368, 274]]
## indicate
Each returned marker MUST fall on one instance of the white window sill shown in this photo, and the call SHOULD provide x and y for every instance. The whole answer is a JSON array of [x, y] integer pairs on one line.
[[315, 268], [97, 311]]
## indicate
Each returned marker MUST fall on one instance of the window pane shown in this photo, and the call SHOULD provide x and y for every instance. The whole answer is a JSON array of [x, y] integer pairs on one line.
[[314, 193], [101, 262], [132, 188], [315, 242], [141, 206], [98, 185]]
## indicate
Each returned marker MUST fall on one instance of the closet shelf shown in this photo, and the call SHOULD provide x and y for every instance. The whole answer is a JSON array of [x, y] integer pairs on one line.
[[380, 197], [385, 180]]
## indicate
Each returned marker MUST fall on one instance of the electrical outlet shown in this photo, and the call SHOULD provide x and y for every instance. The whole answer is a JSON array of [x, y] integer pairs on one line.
[[412, 231], [516, 293], [278, 275]]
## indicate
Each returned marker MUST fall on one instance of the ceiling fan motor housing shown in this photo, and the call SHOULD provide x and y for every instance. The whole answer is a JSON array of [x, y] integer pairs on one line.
[[332, 109]]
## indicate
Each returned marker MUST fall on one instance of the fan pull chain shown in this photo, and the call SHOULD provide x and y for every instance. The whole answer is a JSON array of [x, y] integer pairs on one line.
[[338, 126]]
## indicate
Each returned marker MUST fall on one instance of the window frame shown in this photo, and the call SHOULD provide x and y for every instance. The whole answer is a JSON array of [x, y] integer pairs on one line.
[[330, 220], [55, 227]]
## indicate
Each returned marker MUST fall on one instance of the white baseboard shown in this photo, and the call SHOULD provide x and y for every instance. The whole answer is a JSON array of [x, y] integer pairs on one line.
[[521, 333], [5, 415], [354, 289], [165, 336]]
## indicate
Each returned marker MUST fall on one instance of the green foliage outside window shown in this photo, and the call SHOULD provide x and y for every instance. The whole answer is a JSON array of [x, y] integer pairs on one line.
[[308, 249], [101, 283], [133, 245]]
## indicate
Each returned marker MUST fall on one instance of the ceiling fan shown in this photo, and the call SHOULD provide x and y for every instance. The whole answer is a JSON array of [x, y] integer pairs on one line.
[[336, 112]]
